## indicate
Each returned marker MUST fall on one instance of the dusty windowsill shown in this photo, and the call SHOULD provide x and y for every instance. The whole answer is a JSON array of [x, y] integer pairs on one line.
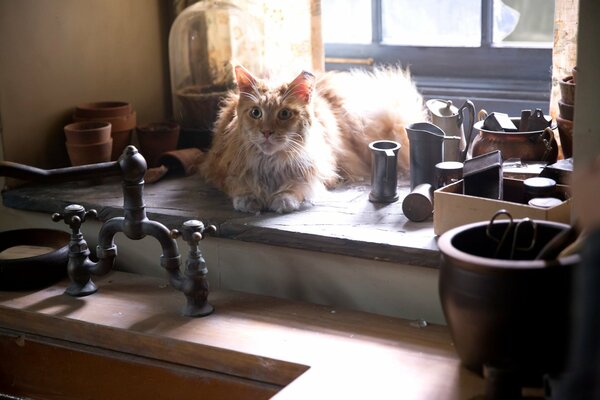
[[343, 221]]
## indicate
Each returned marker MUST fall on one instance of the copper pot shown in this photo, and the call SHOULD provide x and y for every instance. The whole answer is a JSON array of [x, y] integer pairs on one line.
[[527, 146]]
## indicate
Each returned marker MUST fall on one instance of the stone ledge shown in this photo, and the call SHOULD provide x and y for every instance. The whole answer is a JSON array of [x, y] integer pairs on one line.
[[343, 221]]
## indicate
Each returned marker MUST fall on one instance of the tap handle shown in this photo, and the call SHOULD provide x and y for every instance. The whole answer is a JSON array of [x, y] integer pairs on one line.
[[74, 215], [193, 231]]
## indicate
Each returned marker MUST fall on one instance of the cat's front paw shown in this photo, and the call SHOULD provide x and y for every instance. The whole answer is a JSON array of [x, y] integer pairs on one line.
[[285, 203], [247, 204]]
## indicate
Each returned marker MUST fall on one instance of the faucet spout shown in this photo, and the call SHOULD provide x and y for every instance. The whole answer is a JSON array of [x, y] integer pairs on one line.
[[170, 258], [106, 249]]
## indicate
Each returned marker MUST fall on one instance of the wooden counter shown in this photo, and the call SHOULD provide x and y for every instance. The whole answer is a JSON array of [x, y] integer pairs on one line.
[[251, 347], [342, 221]]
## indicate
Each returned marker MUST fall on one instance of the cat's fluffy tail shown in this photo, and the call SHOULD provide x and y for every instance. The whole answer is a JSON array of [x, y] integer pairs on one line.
[[385, 100]]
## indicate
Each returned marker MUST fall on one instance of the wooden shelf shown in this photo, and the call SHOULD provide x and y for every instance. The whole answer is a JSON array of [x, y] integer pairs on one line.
[[297, 350]]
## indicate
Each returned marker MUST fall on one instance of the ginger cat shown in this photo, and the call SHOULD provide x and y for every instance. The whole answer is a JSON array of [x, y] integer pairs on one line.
[[275, 146]]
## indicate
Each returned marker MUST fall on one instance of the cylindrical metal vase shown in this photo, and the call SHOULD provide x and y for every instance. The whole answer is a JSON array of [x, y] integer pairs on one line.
[[384, 171]]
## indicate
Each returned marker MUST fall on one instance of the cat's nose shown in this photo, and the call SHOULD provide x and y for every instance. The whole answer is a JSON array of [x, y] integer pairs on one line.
[[267, 133]]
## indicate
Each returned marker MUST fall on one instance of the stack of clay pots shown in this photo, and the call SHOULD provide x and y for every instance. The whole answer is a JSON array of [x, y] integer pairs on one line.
[[88, 142], [119, 114], [566, 107]]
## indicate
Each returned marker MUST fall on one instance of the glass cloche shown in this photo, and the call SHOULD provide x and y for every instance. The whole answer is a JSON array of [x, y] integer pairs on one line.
[[206, 41]]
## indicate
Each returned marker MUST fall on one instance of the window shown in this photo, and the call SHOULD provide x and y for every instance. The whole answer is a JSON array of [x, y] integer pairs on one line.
[[496, 53]]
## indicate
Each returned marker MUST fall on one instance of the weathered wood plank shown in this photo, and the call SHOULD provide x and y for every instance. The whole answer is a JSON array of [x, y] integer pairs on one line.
[[341, 221]]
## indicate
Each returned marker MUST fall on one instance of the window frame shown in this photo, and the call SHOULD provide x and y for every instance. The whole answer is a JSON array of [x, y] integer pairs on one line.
[[502, 77]]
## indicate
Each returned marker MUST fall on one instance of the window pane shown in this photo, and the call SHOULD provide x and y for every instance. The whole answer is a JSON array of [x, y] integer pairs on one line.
[[346, 21], [432, 22], [523, 21]]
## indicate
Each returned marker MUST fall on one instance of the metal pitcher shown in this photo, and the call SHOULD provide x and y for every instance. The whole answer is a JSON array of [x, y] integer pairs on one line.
[[427, 148], [450, 119]]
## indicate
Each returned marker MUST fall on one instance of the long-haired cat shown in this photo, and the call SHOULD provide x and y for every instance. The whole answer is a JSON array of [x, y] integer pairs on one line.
[[276, 145]]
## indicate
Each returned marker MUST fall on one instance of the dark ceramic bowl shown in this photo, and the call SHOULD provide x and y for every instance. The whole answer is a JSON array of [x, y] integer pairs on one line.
[[503, 313], [37, 271]]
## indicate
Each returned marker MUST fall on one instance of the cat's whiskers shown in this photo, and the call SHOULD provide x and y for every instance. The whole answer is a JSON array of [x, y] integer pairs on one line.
[[297, 157], [253, 97]]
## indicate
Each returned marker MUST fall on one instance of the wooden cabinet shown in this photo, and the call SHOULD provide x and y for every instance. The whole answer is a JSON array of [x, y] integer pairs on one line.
[[129, 341], [41, 368]]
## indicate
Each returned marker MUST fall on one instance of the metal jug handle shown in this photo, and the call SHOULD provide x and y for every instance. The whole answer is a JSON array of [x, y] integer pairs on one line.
[[390, 156], [469, 130], [481, 115], [546, 138]]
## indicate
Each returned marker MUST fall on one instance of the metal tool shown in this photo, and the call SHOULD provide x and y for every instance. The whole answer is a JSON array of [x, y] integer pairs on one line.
[[515, 228]]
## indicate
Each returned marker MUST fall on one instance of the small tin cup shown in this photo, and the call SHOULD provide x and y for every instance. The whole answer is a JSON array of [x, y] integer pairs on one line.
[[384, 171], [538, 187], [447, 172]]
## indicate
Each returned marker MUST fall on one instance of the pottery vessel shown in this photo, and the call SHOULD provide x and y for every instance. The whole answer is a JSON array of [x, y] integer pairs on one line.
[[157, 138], [185, 161], [119, 114], [103, 109], [82, 154], [567, 111], [567, 90], [511, 314], [87, 132], [565, 132], [527, 146], [119, 124]]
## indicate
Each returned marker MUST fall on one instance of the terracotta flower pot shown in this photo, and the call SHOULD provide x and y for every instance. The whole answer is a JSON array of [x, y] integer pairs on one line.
[[567, 111], [122, 129], [157, 138], [88, 132], [565, 132], [103, 109], [82, 154], [120, 123], [567, 90]]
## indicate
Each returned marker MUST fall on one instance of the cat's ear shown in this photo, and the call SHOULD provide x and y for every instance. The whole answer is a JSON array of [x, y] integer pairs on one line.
[[245, 81], [302, 87]]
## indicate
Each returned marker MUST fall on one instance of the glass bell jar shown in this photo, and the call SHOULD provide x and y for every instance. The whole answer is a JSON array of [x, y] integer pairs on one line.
[[207, 40]]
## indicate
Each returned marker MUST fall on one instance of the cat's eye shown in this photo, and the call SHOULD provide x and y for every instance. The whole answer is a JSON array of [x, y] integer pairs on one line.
[[284, 114], [255, 112]]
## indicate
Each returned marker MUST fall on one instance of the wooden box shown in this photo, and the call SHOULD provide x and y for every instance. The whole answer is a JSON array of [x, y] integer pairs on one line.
[[452, 208]]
